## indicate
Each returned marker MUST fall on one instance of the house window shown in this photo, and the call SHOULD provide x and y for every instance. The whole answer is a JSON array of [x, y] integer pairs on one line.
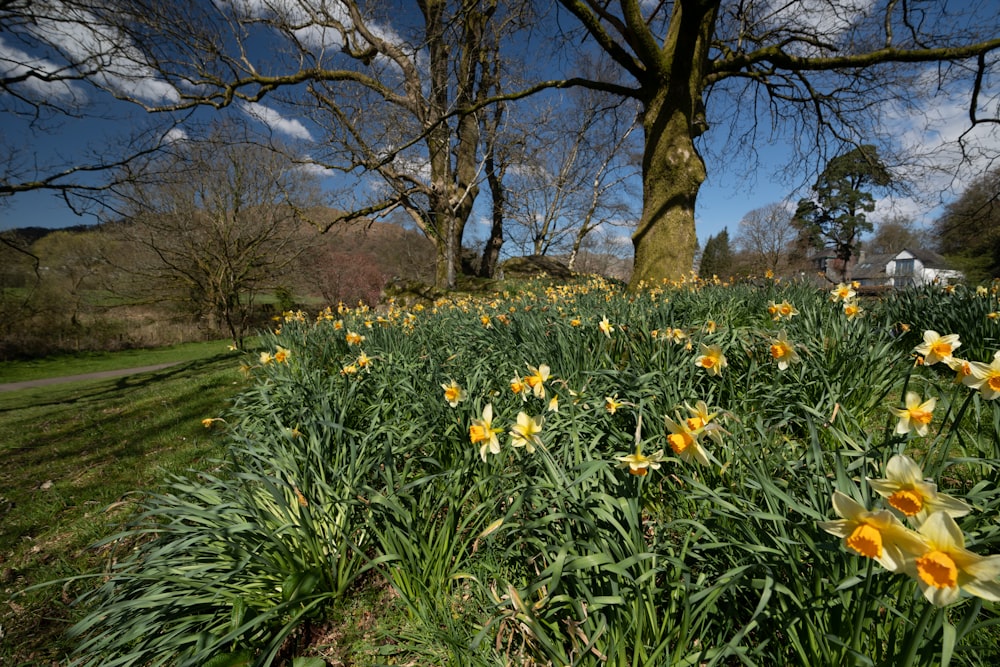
[[904, 267]]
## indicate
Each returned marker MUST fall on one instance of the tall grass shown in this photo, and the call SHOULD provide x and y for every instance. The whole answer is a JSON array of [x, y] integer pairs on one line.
[[346, 459]]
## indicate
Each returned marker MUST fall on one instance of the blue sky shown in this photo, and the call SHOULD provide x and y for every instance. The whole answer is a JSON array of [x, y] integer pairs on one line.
[[723, 200]]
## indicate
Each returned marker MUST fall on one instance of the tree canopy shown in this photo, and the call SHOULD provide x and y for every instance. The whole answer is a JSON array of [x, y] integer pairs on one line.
[[968, 231], [395, 98], [836, 216]]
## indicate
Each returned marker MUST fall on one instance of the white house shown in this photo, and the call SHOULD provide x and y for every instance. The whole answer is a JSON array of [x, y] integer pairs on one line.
[[903, 269]]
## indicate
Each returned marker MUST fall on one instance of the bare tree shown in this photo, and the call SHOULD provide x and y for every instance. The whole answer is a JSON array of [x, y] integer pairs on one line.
[[222, 229], [397, 95], [59, 60], [575, 173], [814, 71], [764, 236]]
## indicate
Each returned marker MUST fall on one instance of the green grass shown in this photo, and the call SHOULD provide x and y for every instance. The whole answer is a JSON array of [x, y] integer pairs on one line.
[[74, 455], [92, 362]]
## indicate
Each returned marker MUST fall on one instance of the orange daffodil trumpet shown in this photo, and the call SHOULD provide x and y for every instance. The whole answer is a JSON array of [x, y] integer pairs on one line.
[[986, 377], [916, 416], [783, 351], [536, 380], [878, 535], [483, 434], [943, 567], [711, 359], [453, 394], [842, 292], [906, 490], [933, 555], [684, 440], [936, 347]]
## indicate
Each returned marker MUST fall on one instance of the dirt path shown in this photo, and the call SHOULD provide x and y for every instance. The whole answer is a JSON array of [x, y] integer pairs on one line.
[[100, 375]]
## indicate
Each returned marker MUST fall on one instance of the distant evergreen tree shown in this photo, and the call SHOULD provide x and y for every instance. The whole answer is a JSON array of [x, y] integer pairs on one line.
[[835, 217], [717, 258], [968, 231]]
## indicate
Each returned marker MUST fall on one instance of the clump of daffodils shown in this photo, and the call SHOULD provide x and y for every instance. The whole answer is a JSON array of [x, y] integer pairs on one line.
[[932, 553]]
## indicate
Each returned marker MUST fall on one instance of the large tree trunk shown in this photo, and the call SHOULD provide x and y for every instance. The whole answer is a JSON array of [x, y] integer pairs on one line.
[[672, 174]]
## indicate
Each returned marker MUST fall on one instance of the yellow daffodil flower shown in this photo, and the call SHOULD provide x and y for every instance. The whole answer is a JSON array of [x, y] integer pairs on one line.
[[711, 359], [851, 310], [525, 432], [906, 490], [364, 361], [986, 377], [683, 440], [453, 393], [879, 535], [944, 567], [916, 415], [783, 310], [483, 434], [936, 347], [349, 369], [536, 380], [963, 371], [702, 421], [519, 387], [842, 292], [639, 464], [266, 358], [783, 351], [281, 355], [354, 338], [605, 326], [611, 404], [554, 404]]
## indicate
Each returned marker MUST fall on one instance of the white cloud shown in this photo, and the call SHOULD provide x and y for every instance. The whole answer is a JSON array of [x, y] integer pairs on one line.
[[829, 20], [100, 51], [289, 127], [14, 63]]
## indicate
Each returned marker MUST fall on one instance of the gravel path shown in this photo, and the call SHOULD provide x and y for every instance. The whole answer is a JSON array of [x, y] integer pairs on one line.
[[28, 384]]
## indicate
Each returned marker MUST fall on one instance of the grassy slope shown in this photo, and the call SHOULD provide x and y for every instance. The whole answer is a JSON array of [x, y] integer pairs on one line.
[[92, 362], [74, 455]]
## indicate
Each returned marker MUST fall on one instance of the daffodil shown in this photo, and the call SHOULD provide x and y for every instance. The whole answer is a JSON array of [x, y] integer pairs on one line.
[[536, 380], [986, 377], [711, 359], [483, 434], [554, 404], [453, 394], [266, 358], [905, 489], [702, 421], [936, 347], [783, 351], [963, 371], [518, 386], [354, 338], [683, 440], [944, 567], [364, 361], [878, 535], [783, 310], [281, 355], [842, 292], [916, 415], [638, 464], [851, 310], [525, 432], [611, 404], [605, 326]]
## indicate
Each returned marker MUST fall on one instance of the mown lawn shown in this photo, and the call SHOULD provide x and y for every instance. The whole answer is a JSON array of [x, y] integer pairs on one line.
[[73, 456]]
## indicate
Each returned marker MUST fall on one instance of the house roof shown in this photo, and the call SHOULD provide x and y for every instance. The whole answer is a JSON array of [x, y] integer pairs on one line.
[[928, 258], [872, 266]]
